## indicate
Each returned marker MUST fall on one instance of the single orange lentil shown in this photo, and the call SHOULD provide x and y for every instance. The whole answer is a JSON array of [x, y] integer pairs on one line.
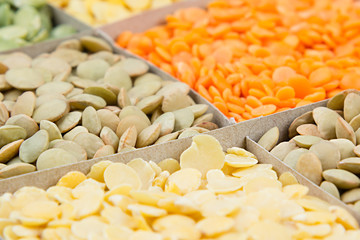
[[253, 101], [204, 93], [222, 107], [263, 110], [303, 103], [285, 93], [214, 92], [320, 76], [282, 74], [235, 108]]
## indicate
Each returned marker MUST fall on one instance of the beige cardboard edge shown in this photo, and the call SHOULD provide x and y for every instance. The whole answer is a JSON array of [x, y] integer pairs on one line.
[[58, 17], [148, 19], [265, 157]]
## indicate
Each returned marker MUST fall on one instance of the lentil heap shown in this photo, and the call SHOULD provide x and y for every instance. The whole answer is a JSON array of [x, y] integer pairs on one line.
[[254, 58], [208, 195]]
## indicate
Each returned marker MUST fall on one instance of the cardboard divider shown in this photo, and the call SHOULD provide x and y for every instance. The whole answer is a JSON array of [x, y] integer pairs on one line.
[[148, 19]]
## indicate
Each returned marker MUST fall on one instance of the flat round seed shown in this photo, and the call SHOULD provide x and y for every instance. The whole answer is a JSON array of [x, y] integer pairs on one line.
[[350, 164], [94, 44], [24, 121], [48, 97], [344, 130], [10, 133], [144, 90], [351, 196], [4, 85], [309, 165], [204, 118], [109, 137], [351, 106], [70, 44], [167, 123], [108, 119], [306, 118], [188, 133], [73, 132], [90, 142], [282, 149], [14, 160], [24, 78], [308, 129], [72, 147], [91, 120], [129, 121], [54, 65], [330, 188], [69, 121], [54, 87], [128, 138], [4, 114], [109, 57], [355, 122], [102, 92], [51, 111], [167, 137], [149, 104], [46, 74], [82, 83], [74, 92], [54, 157], [16, 169], [327, 152], [118, 77], [270, 138], [306, 141], [82, 101], [199, 109], [134, 67], [341, 178], [71, 56], [325, 119], [133, 111], [174, 100], [293, 156], [207, 125], [123, 99], [32, 147], [174, 86], [8, 104], [129, 176], [10, 150], [17, 60], [25, 104], [12, 95], [337, 102], [104, 151], [148, 136], [184, 118], [92, 69], [346, 147], [51, 128]]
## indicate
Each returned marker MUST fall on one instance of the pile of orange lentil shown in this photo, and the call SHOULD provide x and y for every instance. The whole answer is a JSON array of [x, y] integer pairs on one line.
[[252, 58]]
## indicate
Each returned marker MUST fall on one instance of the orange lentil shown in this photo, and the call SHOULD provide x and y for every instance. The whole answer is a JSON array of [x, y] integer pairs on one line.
[[235, 108], [222, 107], [204, 93], [285, 93], [250, 55], [214, 92], [263, 110], [253, 101]]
